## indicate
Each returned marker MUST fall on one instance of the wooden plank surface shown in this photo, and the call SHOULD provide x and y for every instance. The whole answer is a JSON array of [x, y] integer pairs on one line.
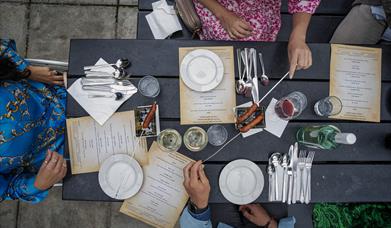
[[321, 28], [160, 57], [330, 183], [335, 7]]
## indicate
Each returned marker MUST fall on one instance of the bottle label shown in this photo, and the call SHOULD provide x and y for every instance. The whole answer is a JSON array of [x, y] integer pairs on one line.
[[314, 134]]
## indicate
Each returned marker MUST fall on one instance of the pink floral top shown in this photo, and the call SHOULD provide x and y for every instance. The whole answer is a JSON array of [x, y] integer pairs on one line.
[[263, 15]]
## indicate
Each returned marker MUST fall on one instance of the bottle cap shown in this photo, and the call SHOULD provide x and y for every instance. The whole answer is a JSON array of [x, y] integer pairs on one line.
[[345, 138]]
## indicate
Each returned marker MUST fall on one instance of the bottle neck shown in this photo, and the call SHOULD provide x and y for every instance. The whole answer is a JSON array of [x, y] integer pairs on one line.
[[345, 138]]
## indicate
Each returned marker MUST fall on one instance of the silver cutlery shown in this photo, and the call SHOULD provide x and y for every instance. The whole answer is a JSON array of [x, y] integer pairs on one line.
[[290, 173], [271, 181], [121, 63], [240, 83], [284, 165], [301, 165], [117, 95], [294, 160], [308, 165], [91, 81], [276, 164], [264, 78], [254, 91]]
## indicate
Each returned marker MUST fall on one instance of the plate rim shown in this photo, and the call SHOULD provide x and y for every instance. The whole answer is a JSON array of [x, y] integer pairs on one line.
[[249, 198], [133, 163], [219, 70]]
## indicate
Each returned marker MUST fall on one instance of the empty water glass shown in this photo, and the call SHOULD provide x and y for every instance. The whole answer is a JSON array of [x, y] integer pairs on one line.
[[328, 106], [148, 86], [217, 135], [291, 106]]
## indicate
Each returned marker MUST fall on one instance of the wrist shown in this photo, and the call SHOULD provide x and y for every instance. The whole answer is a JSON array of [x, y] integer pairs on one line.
[[38, 186], [199, 205], [297, 36]]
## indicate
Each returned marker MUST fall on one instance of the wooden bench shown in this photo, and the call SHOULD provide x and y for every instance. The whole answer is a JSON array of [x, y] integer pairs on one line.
[[323, 23]]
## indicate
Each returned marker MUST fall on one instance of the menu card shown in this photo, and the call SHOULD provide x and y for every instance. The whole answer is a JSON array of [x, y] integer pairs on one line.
[[90, 143], [355, 78], [213, 106], [162, 197]]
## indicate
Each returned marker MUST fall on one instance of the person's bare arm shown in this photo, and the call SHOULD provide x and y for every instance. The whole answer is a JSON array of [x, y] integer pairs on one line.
[[298, 52], [235, 26]]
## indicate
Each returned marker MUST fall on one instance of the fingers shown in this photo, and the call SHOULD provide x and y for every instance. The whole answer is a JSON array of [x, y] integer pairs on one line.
[[59, 165], [194, 171], [245, 25], [186, 173], [64, 169], [232, 35], [249, 216], [202, 175], [53, 161], [293, 65], [47, 159]]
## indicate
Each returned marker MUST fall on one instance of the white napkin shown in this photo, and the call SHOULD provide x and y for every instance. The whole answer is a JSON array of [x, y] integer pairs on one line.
[[251, 131], [100, 108], [274, 124], [163, 21], [107, 69]]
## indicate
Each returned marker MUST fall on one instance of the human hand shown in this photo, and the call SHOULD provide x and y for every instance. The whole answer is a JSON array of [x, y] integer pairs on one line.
[[45, 75], [299, 54], [196, 184], [256, 214], [235, 26], [53, 169]]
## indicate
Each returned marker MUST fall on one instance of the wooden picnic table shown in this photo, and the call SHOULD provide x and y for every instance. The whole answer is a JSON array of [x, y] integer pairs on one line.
[[350, 173]]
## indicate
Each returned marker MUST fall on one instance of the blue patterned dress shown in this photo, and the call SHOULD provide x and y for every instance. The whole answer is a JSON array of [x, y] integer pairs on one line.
[[32, 120]]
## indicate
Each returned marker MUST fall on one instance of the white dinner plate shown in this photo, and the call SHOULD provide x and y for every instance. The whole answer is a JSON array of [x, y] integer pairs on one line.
[[241, 181], [120, 176], [202, 70]]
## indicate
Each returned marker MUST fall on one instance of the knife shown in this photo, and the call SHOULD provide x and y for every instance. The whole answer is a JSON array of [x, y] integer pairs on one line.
[[296, 182]]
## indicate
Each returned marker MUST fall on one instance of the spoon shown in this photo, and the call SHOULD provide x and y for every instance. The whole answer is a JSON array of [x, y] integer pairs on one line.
[[117, 95], [121, 63], [276, 163], [239, 83], [264, 78], [285, 177]]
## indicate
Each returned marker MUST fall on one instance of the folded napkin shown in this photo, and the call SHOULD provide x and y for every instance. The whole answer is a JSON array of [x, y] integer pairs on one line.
[[100, 108], [163, 21]]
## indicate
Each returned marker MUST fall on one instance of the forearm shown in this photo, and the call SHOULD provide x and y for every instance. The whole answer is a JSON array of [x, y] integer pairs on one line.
[[215, 7], [300, 24]]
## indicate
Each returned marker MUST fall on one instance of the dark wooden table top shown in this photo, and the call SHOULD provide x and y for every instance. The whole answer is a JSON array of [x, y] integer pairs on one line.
[[357, 173]]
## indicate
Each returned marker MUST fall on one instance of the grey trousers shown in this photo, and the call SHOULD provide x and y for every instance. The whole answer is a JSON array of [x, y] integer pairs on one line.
[[359, 27]]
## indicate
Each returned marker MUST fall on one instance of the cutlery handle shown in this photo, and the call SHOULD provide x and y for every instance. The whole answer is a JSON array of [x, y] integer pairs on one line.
[[294, 187], [270, 187], [308, 192], [262, 65], [303, 186], [290, 180], [284, 187], [306, 184], [276, 183]]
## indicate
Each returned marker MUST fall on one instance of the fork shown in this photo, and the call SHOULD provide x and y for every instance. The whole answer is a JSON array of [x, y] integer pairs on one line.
[[300, 182], [308, 165]]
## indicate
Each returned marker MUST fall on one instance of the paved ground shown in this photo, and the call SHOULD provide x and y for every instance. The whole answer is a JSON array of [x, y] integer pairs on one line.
[[42, 29]]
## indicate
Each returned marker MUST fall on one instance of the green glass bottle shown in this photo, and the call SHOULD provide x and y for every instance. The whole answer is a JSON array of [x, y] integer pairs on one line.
[[324, 137]]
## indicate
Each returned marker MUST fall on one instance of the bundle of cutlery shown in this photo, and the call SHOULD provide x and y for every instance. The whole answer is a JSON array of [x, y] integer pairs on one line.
[[290, 176]]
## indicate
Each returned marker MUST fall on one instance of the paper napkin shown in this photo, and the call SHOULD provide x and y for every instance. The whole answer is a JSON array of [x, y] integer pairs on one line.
[[100, 108], [274, 124], [163, 21]]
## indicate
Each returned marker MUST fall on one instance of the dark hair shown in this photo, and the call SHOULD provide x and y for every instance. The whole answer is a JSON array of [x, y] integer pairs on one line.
[[8, 71]]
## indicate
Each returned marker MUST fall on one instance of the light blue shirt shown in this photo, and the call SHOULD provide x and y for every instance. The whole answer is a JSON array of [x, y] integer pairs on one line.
[[190, 220], [380, 15]]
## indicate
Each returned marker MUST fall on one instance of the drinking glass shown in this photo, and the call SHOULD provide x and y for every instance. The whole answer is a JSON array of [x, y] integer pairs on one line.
[[291, 106], [217, 135], [195, 139], [169, 140], [149, 86], [328, 106]]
